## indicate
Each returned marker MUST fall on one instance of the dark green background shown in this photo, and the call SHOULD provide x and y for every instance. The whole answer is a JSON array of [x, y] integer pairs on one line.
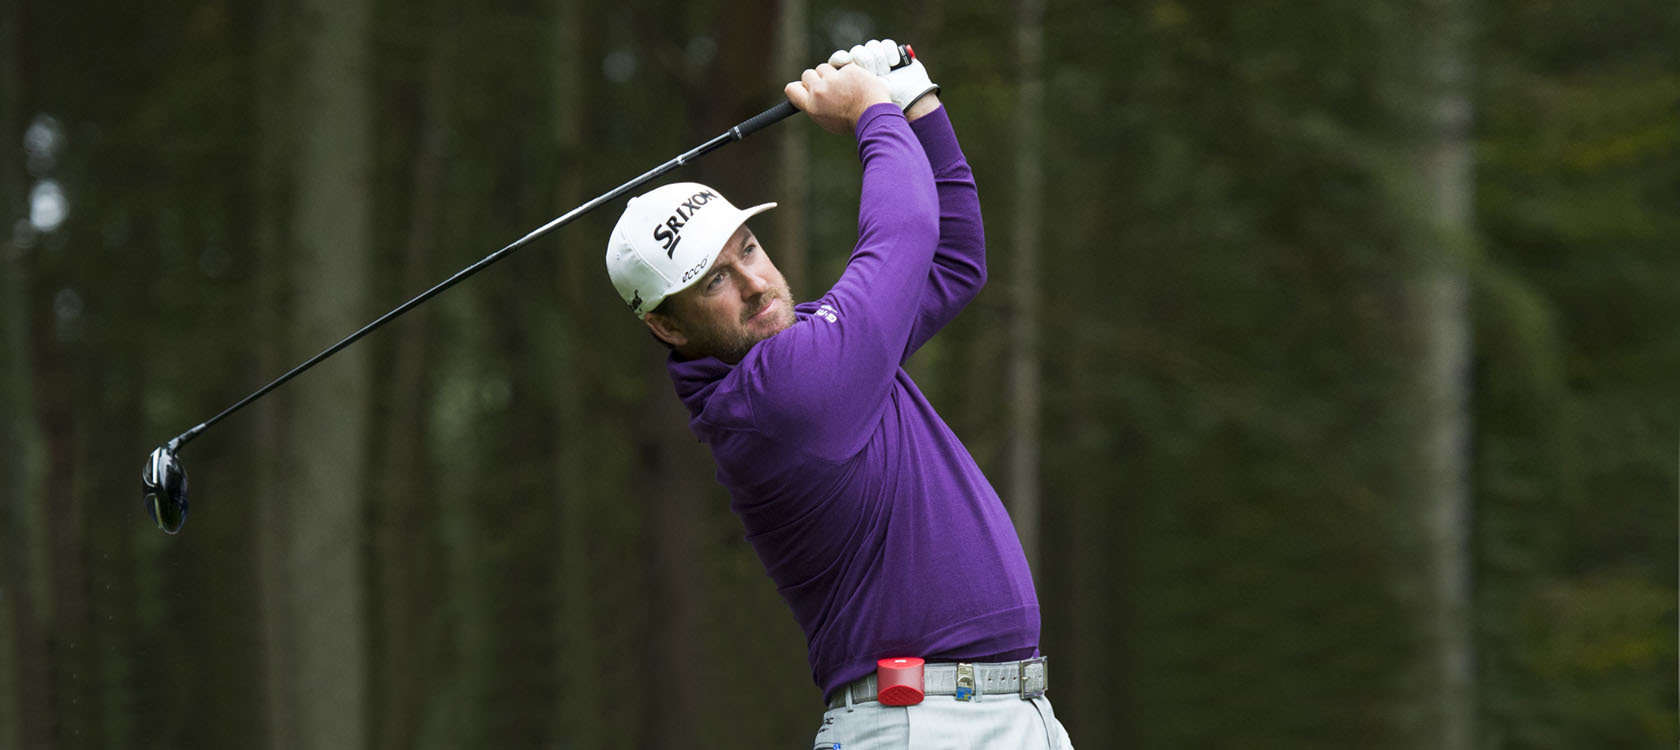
[[486, 526]]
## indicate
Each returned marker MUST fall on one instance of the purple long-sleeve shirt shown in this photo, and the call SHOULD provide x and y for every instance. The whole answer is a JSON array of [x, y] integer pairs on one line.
[[871, 517]]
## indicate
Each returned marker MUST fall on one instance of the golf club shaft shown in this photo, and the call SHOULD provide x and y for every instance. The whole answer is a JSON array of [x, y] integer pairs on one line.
[[745, 128]]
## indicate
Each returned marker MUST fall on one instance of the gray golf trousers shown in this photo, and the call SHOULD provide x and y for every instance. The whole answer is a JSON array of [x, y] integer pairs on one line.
[[941, 722]]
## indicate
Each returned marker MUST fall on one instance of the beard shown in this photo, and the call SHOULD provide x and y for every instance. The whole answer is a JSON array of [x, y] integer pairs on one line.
[[731, 342]]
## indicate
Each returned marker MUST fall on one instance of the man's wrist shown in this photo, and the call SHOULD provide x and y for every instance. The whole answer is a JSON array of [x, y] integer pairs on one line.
[[922, 107]]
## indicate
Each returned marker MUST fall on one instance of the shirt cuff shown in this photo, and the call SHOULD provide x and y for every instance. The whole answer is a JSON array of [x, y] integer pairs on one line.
[[938, 139], [866, 121]]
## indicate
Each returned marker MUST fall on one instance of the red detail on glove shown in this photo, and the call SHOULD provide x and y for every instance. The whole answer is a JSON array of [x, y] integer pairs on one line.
[[910, 51], [898, 681]]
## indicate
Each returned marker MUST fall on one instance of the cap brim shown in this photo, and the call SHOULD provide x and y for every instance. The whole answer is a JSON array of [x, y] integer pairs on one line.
[[748, 213]]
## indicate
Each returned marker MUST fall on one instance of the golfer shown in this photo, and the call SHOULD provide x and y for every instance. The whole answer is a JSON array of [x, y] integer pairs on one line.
[[893, 551]]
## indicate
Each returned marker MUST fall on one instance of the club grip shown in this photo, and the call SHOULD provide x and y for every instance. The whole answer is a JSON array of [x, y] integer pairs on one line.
[[906, 55], [765, 119]]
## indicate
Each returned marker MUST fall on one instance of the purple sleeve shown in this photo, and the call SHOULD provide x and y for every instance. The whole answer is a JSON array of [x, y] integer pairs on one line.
[[959, 262], [821, 385]]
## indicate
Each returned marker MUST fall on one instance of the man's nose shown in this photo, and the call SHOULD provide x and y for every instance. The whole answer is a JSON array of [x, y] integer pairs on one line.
[[755, 283]]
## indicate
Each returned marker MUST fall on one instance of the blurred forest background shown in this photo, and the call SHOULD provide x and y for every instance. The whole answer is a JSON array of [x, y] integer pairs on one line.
[[1325, 367]]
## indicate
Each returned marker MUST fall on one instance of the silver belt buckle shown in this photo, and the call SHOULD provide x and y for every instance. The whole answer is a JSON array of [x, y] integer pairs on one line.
[[1035, 677], [965, 682]]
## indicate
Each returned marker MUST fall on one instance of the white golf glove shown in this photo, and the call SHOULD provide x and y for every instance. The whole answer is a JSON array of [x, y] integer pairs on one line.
[[905, 85]]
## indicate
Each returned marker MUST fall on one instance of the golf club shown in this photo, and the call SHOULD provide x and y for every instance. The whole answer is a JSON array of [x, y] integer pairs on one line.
[[163, 482]]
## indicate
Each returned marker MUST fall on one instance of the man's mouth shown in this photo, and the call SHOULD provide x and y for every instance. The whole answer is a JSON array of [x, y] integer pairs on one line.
[[771, 302]]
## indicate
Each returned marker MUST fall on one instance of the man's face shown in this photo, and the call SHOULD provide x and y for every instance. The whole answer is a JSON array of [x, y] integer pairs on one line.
[[741, 301]]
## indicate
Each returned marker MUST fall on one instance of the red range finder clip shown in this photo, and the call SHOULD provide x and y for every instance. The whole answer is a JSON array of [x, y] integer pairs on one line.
[[898, 681]]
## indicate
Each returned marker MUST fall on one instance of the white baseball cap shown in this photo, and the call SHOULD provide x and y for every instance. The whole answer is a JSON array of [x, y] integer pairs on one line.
[[666, 240]]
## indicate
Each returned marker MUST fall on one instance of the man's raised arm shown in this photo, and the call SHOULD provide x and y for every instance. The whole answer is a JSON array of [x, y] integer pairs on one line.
[[822, 384], [959, 261]]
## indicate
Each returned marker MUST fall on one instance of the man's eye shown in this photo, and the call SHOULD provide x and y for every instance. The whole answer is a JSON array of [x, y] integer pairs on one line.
[[716, 279], [748, 249]]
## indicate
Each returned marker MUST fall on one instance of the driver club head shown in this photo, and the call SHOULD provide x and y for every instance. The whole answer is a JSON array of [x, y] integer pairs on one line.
[[164, 484]]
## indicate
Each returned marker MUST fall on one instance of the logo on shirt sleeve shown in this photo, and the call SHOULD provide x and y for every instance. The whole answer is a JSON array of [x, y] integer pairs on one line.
[[827, 313]]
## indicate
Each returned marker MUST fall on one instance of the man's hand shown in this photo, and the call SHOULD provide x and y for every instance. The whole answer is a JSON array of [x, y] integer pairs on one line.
[[835, 99], [907, 85]]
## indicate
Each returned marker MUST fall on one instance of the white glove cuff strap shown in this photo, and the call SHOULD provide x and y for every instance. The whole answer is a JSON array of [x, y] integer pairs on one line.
[[934, 89]]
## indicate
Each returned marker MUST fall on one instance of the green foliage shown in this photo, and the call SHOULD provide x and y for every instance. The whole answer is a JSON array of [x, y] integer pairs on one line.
[[1576, 445]]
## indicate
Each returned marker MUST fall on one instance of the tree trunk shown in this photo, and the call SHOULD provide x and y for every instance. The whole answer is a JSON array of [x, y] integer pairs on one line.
[[67, 587], [1440, 302], [577, 712], [668, 485], [25, 707], [276, 42], [1023, 446], [65, 595], [403, 501], [333, 240], [794, 151], [55, 599]]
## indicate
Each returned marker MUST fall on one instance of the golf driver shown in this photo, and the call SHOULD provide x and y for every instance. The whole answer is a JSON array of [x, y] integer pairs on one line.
[[163, 482]]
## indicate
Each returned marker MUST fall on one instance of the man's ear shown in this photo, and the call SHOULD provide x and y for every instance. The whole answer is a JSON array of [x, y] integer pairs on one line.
[[666, 329]]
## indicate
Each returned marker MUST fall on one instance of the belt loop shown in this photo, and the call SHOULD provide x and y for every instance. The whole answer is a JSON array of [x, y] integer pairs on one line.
[[849, 698]]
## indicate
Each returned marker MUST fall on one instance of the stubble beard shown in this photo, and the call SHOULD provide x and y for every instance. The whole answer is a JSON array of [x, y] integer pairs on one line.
[[732, 343]]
